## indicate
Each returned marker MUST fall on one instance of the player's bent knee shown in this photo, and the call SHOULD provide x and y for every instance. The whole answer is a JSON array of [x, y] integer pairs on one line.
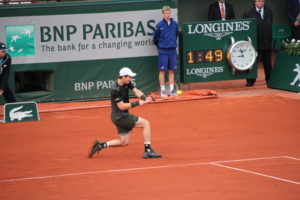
[[145, 123], [124, 143]]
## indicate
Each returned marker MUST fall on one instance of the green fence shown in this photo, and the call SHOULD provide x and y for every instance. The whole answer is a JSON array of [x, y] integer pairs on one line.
[[286, 73]]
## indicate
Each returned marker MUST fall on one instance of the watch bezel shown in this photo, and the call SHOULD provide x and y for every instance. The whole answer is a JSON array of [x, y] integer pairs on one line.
[[232, 46]]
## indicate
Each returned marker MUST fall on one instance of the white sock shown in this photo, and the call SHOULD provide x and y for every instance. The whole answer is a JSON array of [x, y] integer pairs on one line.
[[171, 87], [162, 87]]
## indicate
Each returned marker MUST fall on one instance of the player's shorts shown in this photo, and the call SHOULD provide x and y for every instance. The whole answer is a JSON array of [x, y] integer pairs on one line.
[[124, 122], [167, 62]]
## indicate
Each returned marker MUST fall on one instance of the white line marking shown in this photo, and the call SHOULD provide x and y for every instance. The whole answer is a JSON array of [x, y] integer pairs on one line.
[[250, 159], [134, 169], [292, 158], [256, 173], [104, 171]]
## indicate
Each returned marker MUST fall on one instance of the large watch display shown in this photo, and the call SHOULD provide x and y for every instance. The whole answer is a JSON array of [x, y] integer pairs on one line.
[[241, 55]]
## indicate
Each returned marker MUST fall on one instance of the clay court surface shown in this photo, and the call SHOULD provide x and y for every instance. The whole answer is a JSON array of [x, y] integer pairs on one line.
[[243, 145]]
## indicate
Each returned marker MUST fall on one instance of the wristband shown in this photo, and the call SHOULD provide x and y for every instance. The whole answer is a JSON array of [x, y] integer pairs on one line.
[[143, 97], [135, 103]]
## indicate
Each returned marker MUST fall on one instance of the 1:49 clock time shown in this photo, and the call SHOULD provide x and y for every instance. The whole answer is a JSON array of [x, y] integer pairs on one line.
[[204, 56]]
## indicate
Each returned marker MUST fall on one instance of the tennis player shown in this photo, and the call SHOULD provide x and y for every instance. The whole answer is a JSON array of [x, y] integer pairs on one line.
[[121, 118]]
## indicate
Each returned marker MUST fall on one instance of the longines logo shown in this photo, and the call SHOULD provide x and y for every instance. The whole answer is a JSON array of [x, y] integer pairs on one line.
[[205, 72], [218, 36], [218, 29]]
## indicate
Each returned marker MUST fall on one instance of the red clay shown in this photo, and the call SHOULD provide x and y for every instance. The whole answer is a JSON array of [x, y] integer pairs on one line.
[[189, 134]]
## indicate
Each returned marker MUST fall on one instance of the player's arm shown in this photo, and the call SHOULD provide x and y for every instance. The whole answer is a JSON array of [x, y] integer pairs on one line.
[[127, 106], [120, 103], [138, 93], [141, 95]]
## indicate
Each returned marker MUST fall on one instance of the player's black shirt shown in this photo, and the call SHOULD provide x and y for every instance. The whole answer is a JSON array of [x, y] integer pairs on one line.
[[120, 93]]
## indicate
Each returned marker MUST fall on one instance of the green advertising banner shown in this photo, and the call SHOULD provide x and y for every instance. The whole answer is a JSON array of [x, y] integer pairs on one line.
[[286, 73], [83, 80], [205, 48], [20, 112], [78, 53]]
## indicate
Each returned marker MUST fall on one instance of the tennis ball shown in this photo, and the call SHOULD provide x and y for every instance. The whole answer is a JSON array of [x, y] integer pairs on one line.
[[179, 92]]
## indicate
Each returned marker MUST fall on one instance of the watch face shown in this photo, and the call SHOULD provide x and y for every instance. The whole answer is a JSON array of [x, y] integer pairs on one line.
[[242, 55]]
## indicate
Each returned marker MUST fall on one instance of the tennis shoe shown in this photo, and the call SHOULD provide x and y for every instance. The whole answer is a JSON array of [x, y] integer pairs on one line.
[[151, 154], [95, 148], [163, 93], [173, 93]]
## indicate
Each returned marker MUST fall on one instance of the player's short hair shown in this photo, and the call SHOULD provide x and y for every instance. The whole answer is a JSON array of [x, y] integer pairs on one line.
[[165, 8]]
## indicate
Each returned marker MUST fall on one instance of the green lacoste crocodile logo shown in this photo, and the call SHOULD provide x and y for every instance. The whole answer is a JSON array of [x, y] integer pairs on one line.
[[20, 40]]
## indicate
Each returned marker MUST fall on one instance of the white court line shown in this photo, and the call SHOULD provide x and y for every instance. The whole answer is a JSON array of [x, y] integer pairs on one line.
[[256, 173], [250, 159], [104, 171], [134, 169], [292, 158]]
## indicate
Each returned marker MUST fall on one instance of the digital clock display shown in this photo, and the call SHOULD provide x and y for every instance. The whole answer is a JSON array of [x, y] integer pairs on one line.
[[204, 56]]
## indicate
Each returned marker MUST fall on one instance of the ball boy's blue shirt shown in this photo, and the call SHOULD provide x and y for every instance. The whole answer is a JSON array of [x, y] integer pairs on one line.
[[165, 36]]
